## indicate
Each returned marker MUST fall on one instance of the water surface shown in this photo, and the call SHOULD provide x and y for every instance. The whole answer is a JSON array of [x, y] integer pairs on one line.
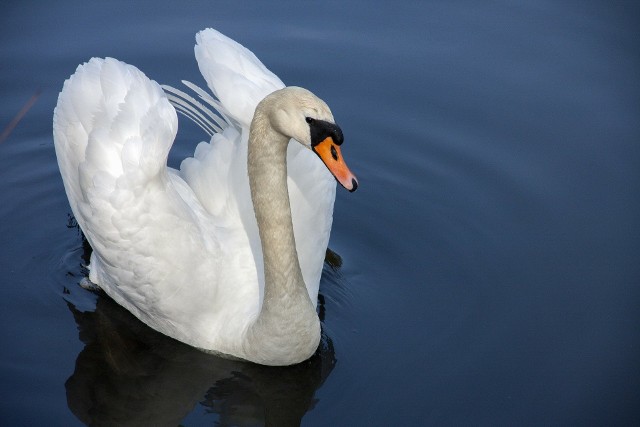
[[489, 269]]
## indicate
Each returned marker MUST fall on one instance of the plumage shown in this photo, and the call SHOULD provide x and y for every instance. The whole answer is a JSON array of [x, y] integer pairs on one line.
[[181, 249]]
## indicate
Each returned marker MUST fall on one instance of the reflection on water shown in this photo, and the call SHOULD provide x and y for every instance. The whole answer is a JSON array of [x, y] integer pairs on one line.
[[129, 374]]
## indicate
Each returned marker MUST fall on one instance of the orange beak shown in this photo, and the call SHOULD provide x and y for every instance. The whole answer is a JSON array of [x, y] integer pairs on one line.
[[330, 154]]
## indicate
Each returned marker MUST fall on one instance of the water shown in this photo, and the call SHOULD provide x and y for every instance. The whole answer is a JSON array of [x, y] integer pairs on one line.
[[489, 260]]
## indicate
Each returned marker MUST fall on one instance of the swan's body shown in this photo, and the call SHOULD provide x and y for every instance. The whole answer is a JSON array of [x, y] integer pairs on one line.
[[185, 251]]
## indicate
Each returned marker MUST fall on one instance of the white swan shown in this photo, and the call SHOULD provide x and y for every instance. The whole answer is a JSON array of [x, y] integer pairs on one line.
[[204, 254]]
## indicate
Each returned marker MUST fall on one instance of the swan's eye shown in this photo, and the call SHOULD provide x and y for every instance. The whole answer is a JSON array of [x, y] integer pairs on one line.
[[309, 120]]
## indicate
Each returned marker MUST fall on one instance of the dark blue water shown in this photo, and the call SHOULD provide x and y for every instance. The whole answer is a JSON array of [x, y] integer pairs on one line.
[[490, 260]]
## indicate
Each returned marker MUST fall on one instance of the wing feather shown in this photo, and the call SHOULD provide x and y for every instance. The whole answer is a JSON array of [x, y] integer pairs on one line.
[[234, 74]]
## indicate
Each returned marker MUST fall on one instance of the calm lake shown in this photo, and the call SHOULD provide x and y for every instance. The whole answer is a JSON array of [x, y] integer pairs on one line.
[[487, 269]]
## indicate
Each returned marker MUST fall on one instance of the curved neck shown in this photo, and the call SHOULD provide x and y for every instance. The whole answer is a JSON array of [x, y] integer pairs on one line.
[[267, 165], [287, 322]]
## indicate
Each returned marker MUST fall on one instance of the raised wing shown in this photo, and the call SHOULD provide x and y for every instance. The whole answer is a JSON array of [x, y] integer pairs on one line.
[[113, 128], [234, 74]]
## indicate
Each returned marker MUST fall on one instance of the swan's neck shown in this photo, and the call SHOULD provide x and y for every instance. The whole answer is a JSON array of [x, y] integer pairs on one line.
[[287, 329]]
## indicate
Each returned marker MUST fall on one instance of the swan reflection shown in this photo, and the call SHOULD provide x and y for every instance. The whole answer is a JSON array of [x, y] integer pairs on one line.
[[129, 374]]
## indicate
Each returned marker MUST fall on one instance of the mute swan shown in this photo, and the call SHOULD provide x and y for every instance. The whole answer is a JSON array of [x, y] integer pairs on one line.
[[226, 253]]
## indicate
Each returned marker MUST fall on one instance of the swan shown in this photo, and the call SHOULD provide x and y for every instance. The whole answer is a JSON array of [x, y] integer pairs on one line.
[[225, 253]]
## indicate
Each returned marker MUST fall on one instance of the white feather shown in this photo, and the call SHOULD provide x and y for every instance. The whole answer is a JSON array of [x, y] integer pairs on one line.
[[180, 249]]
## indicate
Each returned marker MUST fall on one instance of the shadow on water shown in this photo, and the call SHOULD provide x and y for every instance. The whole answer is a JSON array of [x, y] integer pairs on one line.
[[129, 374]]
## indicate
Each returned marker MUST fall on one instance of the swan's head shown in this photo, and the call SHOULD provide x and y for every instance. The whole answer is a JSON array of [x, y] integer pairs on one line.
[[301, 115]]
